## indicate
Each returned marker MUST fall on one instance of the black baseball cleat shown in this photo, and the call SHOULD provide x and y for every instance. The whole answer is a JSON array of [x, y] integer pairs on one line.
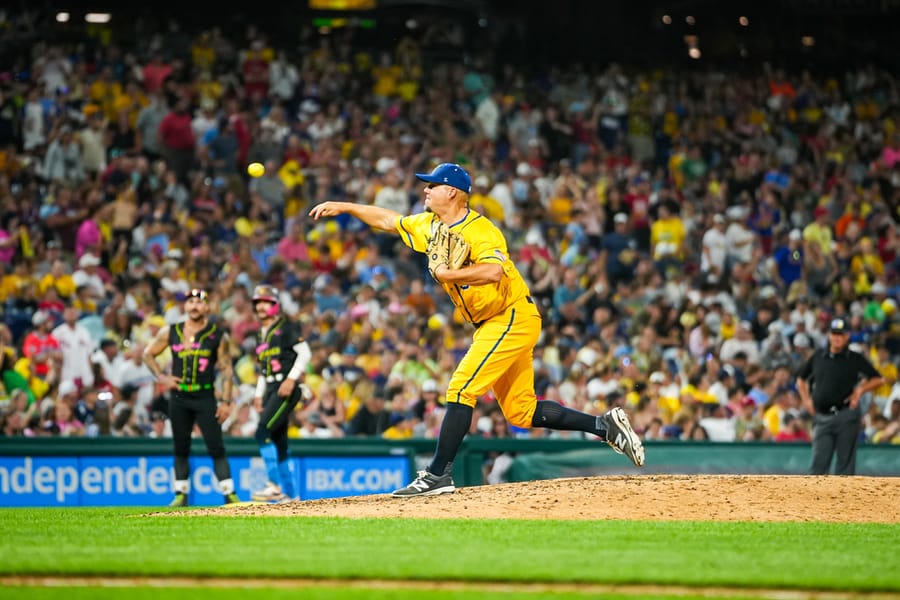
[[179, 500], [622, 438], [427, 484]]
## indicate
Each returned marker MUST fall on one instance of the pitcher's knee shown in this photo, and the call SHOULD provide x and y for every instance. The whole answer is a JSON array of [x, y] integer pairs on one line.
[[461, 397], [520, 418]]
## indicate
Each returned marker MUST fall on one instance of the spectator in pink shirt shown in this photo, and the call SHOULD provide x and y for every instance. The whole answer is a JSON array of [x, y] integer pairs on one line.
[[9, 238], [155, 73], [88, 238], [64, 422], [890, 156], [293, 247]]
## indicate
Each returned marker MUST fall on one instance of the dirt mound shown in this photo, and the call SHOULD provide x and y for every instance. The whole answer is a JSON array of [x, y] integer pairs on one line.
[[662, 497]]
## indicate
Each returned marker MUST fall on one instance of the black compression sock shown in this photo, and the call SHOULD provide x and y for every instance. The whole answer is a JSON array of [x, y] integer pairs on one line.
[[454, 427], [556, 416]]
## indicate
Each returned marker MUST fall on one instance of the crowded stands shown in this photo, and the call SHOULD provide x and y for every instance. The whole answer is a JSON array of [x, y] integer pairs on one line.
[[689, 235]]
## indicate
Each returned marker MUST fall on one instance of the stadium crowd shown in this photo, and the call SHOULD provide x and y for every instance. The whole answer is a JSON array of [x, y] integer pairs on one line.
[[688, 235]]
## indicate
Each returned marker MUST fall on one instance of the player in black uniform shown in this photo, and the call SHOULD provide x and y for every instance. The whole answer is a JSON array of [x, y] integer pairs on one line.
[[199, 349], [281, 356]]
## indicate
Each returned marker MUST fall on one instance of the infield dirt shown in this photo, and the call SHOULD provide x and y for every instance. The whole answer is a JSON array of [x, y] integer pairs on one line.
[[662, 497]]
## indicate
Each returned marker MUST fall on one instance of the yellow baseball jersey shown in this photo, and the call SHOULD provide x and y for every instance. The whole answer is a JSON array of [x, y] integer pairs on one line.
[[507, 321], [477, 303]]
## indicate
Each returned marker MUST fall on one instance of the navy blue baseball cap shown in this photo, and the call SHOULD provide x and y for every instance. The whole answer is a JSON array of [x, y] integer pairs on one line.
[[449, 174], [839, 326]]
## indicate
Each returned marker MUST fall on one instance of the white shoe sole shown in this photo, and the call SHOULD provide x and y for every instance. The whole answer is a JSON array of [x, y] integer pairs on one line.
[[637, 448], [267, 498], [447, 489]]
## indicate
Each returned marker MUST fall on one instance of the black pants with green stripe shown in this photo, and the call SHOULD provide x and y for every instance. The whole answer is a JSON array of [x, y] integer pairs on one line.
[[273, 421], [185, 410]]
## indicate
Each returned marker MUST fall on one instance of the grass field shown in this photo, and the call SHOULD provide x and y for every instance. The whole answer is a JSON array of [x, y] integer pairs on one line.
[[93, 552]]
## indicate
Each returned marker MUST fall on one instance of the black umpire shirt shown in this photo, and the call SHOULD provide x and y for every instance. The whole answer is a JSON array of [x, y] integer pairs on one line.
[[832, 377]]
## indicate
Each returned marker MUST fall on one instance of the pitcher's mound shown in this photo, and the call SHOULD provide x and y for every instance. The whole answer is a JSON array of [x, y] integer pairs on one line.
[[664, 497]]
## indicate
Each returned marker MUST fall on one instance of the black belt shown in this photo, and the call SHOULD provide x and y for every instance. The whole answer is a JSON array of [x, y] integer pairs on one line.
[[833, 410]]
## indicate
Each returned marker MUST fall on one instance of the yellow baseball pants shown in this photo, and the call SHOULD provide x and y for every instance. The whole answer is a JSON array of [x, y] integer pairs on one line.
[[500, 357]]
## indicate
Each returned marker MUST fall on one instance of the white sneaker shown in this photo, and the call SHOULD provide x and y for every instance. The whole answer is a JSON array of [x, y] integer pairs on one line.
[[622, 438], [270, 493]]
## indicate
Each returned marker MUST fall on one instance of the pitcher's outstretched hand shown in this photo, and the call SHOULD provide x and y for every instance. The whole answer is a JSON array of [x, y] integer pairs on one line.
[[326, 209]]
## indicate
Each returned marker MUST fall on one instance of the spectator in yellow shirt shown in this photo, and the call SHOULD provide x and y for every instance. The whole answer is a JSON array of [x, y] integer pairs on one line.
[[482, 202], [819, 231], [203, 54], [14, 284], [59, 279], [667, 235], [866, 266], [104, 91], [132, 100]]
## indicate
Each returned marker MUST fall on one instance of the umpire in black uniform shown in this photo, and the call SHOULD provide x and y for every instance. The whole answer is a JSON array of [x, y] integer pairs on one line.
[[830, 384]]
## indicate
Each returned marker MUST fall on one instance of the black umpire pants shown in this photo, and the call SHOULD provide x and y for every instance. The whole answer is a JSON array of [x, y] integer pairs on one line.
[[186, 409], [835, 434]]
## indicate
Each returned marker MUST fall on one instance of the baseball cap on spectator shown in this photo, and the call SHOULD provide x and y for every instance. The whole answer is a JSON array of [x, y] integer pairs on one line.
[[767, 292], [448, 174], [484, 424], [820, 211], [657, 377], [736, 213], [66, 387], [717, 218], [620, 218], [587, 356], [430, 385], [310, 106], [482, 180], [88, 260], [385, 164], [801, 340], [795, 235], [321, 281], [595, 389], [39, 318], [748, 401], [746, 325], [839, 326], [712, 320]]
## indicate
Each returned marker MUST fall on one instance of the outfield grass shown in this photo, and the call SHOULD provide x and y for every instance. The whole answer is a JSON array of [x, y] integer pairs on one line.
[[75, 593], [121, 542]]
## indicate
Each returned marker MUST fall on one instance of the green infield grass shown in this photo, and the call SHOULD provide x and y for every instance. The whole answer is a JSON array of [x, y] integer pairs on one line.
[[122, 543]]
